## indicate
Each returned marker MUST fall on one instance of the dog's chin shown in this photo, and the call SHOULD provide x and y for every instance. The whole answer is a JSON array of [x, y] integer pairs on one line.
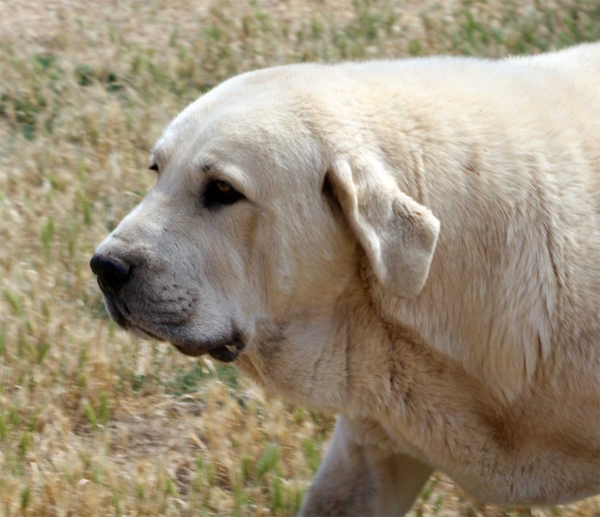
[[225, 349]]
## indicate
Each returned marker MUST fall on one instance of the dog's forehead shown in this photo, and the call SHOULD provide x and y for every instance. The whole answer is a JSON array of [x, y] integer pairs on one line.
[[255, 99], [202, 123], [249, 129], [240, 96], [249, 126]]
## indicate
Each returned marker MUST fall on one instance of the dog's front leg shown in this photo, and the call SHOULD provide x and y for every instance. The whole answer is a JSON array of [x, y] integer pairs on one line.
[[355, 479]]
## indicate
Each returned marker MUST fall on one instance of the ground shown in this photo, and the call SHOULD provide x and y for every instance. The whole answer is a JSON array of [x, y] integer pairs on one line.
[[92, 420]]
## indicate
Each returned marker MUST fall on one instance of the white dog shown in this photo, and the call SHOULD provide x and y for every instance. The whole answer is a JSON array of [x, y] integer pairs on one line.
[[414, 245]]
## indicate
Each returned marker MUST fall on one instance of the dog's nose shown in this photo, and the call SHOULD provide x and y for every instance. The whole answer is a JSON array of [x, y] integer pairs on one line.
[[112, 272]]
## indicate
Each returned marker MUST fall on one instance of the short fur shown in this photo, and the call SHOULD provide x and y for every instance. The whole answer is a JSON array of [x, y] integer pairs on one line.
[[419, 252]]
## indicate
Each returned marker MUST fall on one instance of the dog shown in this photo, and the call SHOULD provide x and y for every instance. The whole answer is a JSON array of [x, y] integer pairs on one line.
[[413, 245]]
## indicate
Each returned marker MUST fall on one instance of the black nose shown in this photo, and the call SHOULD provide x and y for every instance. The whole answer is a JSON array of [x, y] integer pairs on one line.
[[112, 272]]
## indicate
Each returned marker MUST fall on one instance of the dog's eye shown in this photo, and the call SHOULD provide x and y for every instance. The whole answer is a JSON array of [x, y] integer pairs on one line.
[[220, 193], [154, 167]]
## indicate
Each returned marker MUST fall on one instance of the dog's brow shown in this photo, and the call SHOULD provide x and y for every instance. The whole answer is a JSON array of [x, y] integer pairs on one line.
[[159, 154], [205, 165]]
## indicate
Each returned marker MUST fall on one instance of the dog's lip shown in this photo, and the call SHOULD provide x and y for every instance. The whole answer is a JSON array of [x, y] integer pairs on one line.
[[225, 350], [145, 332]]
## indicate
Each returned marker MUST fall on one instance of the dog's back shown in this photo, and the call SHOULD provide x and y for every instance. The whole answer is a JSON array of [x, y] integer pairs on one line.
[[585, 57]]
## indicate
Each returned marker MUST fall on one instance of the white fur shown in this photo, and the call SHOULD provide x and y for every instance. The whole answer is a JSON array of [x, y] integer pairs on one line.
[[444, 298]]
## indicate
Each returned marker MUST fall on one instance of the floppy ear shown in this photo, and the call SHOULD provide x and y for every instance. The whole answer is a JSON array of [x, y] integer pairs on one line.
[[397, 233]]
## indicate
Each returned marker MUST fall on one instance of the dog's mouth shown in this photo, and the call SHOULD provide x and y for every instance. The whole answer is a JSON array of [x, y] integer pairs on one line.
[[226, 349]]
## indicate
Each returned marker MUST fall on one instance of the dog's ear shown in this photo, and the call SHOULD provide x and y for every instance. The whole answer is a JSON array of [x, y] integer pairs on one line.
[[398, 234]]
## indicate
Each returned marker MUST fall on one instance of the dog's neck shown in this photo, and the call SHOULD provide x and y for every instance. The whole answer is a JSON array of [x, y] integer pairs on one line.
[[349, 359], [324, 358]]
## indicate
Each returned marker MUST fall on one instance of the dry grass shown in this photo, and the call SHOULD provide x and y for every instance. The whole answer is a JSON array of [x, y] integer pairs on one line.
[[92, 420]]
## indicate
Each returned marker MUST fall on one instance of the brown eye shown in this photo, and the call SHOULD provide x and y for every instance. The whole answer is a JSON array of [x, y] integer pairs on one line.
[[223, 186], [219, 193]]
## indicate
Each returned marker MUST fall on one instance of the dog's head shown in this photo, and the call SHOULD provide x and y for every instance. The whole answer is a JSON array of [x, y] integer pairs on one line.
[[268, 195]]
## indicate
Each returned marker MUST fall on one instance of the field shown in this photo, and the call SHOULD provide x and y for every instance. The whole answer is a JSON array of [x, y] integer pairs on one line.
[[94, 421]]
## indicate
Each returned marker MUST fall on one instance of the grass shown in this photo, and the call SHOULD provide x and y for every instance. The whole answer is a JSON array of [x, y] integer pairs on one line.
[[94, 421]]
